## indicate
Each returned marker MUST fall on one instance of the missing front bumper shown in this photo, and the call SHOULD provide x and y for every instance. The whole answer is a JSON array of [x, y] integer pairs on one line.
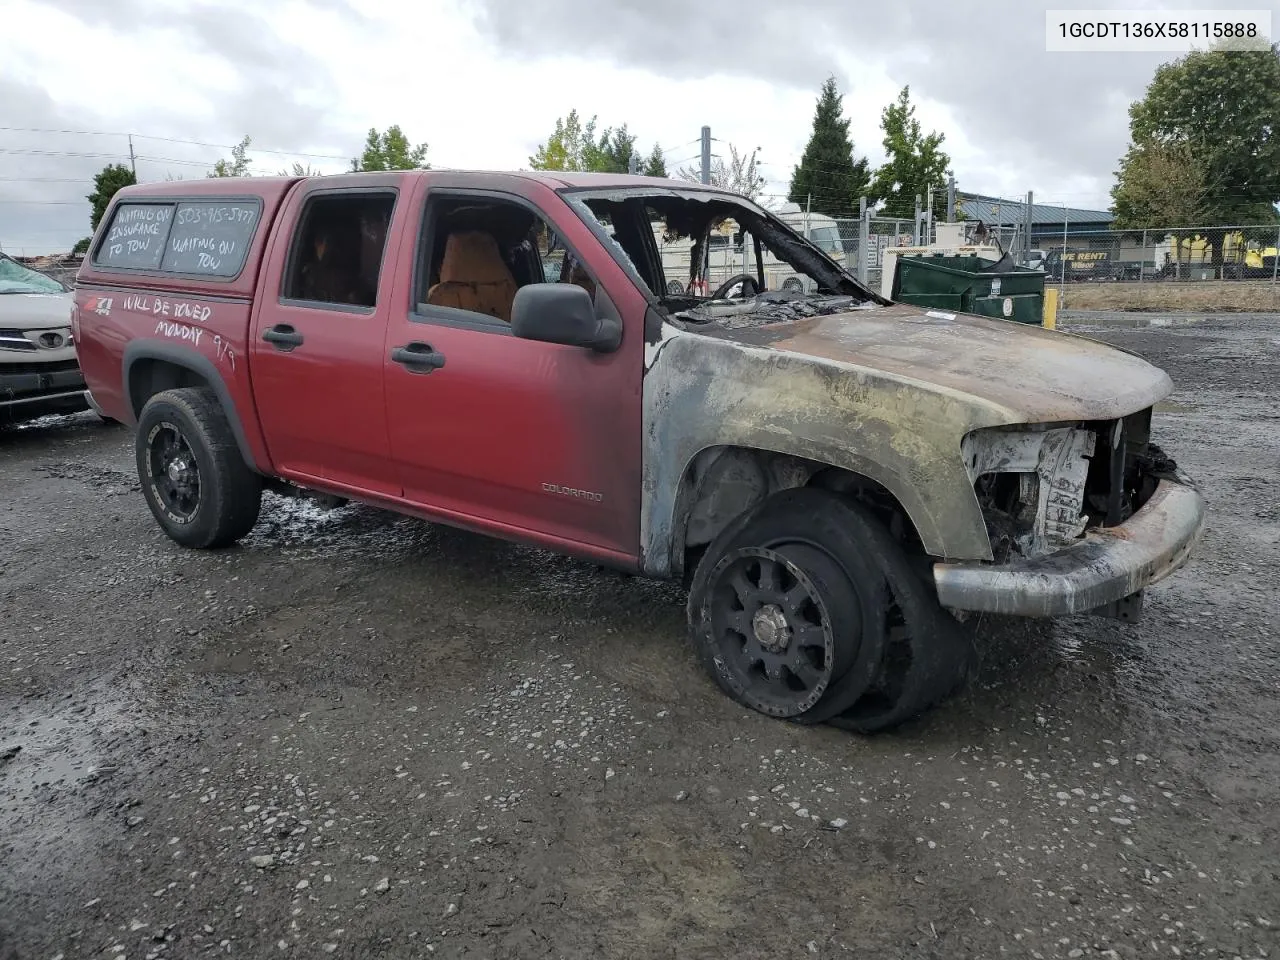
[[1107, 565]]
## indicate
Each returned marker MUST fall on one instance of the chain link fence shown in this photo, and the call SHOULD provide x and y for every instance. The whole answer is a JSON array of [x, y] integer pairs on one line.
[[59, 266], [1188, 254]]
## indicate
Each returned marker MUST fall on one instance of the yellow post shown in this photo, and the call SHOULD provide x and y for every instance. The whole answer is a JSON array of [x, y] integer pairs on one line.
[[1050, 308]]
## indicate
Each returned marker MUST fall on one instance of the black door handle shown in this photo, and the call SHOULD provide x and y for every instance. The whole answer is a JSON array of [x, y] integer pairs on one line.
[[283, 336], [418, 357]]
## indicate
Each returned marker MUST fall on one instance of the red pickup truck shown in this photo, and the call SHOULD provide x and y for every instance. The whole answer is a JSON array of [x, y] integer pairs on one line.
[[837, 479]]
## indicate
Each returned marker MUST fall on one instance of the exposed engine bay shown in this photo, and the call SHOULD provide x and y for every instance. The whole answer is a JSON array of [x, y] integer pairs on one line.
[[774, 306], [1041, 487]]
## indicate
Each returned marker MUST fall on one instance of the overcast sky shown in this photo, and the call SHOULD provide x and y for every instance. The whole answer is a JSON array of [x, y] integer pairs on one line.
[[483, 81]]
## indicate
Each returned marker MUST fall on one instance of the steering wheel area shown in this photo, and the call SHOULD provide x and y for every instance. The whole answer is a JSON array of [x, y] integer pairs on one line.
[[747, 281]]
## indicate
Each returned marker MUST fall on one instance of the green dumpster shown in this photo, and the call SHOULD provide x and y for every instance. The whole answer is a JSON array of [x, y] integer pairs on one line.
[[971, 284]]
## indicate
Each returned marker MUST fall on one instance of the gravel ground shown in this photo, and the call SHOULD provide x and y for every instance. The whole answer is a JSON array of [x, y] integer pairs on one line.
[[359, 735]]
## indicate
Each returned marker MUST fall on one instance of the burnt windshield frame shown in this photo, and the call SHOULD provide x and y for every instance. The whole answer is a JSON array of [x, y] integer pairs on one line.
[[786, 244]]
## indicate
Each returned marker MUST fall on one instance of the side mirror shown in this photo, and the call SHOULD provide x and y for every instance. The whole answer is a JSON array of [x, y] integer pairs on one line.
[[562, 313]]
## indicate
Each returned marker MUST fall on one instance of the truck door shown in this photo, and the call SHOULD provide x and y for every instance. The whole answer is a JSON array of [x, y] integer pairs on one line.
[[534, 440], [317, 343]]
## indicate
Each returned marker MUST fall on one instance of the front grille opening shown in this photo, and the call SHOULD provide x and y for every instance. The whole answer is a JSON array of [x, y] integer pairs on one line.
[[1125, 469], [57, 366], [15, 340], [1009, 502]]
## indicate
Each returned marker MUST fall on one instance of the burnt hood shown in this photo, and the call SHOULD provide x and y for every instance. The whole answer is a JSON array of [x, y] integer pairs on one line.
[[1035, 375]]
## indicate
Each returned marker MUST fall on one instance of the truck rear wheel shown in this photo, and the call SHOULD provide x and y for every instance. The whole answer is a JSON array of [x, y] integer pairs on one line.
[[196, 483], [807, 609]]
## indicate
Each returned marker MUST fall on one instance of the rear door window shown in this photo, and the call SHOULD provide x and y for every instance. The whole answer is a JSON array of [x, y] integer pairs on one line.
[[136, 238], [337, 249]]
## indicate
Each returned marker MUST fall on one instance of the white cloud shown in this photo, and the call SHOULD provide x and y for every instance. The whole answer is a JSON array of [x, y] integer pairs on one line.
[[483, 84]]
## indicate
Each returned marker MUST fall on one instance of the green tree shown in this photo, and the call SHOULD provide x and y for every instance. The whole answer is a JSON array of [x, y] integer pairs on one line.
[[574, 146], [567, 147], [1159, 185], [82, 245], [656, 165], [1213, 118], [391, 151], [105, 184], [612, 153], [914, 162], [300, 170], [237, 166], [828, 173]]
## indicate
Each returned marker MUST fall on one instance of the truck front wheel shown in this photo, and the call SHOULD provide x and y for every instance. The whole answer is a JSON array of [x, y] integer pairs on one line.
[[194, 479], [807, 609]]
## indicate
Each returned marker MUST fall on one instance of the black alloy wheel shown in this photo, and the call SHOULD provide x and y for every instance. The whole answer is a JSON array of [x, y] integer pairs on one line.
[[173, 472], [774, 625]]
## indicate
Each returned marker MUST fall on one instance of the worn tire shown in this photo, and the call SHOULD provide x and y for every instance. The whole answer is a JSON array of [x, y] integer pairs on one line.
[[927, 657], [811, 520], [230, 494], [886, 592]]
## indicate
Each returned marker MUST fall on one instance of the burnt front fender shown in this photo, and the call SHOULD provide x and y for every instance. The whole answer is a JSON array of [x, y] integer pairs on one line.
[[705, 391]]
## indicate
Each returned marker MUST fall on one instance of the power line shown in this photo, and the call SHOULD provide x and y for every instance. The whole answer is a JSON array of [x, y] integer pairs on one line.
[[45, 180], [194, 143], [62, 153], [679, 146]]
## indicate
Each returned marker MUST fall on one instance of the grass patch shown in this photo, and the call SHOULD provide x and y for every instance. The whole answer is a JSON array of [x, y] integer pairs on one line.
[[1187, 296]]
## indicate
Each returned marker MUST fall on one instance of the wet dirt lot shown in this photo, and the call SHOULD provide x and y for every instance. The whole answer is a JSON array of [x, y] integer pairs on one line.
[[358, 735]]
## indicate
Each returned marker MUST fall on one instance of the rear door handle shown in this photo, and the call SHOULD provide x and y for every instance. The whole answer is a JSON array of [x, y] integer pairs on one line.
[[283, 336], [418, 357]]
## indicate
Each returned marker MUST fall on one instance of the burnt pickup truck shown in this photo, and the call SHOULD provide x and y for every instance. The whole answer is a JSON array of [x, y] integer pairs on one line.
[[838, 480]]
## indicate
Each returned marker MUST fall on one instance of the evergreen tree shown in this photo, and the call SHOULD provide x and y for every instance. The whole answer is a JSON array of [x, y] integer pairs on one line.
[[612, 154], [656, 165], [915, 162], [828, 172]]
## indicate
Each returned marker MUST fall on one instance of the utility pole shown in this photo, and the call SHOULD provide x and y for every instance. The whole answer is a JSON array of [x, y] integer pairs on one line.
[[706, 179], [915, 240], [633, 164], [951, 199], [133, 165], [1142, 263], [864, 240], [1027, 220], [1062, 277], [808, 208], [928, 223], [1275, 261]]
